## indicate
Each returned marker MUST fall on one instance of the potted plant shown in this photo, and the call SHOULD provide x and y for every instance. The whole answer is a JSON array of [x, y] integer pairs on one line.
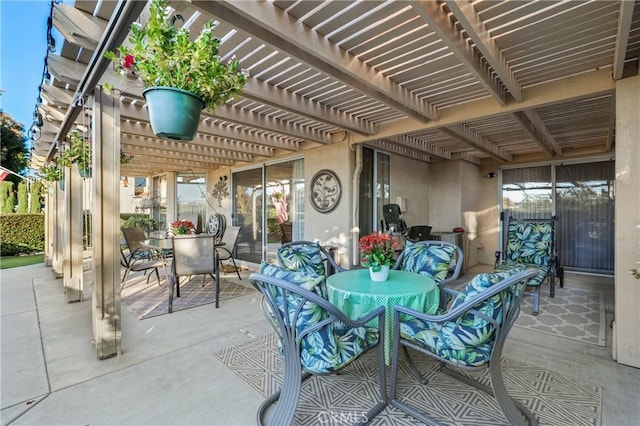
[[79, 153], [181, 76], [182, 227], [377, 251], [124, 157], [50, 175]]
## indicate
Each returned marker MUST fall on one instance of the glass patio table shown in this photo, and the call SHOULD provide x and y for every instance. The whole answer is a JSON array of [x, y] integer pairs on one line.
[[356, 295]]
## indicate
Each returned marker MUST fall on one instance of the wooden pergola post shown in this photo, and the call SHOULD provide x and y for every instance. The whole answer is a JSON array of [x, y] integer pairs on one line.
[[73, 275], [106, 225], [49, 225], [57, 255]]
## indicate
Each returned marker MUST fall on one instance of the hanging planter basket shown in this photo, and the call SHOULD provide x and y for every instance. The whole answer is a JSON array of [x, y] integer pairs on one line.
[[174, 113], [84, 172]]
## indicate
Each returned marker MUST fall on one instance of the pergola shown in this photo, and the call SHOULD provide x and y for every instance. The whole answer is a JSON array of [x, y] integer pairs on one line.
[[485, 82]]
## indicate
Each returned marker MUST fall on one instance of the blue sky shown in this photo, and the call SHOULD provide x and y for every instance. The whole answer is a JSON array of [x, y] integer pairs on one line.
[[23, 46]]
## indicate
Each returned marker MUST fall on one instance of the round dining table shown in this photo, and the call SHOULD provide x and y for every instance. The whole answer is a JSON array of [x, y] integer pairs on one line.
[[356, 295]]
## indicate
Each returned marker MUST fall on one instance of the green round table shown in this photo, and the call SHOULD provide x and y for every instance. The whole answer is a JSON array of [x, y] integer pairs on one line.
[[356, 295]]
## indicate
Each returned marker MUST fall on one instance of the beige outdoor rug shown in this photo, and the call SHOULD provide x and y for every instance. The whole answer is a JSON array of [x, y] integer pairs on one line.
[[148, 300], [553, 398], [574, 313]]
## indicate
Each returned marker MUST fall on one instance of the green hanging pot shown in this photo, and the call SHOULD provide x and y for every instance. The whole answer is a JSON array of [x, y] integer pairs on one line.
[[174, 113], [84, 172]]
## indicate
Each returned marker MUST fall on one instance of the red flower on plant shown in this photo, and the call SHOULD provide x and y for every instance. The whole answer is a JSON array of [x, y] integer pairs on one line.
[[377, 249], [128, 62], [182, 227]]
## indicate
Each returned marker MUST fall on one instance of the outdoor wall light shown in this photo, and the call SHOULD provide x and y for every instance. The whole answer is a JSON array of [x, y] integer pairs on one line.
[[490, 175]]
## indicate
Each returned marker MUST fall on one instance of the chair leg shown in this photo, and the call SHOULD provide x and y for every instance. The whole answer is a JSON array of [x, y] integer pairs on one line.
[[552, 282], [394, 386], [412, 367], [221, 266], [172, 284], [287, 397], [536, 300], [236, 268], [512, 410], [124, 279]]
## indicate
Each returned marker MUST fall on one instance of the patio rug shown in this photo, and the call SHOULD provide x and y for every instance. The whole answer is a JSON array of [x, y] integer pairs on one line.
[[339, 399], [574, 313], [148, 300]]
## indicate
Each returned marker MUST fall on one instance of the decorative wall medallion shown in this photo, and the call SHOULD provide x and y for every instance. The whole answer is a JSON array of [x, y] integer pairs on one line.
[[220, 190], [325, 191]]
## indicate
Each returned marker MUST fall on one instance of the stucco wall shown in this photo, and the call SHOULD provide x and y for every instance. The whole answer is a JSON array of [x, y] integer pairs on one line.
[[331, 228], [445, 196], [487, 218], [410, 179]]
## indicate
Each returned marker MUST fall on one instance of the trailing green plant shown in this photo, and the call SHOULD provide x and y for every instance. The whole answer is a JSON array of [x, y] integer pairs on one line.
[[143, 221], [163, 55], [50, 174], [124, 157], [79, 152]]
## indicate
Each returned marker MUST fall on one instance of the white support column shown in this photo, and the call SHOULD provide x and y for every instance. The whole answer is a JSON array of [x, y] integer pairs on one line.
[[627, 246], [172, 198], [73, 275], [58, 230], [106, 225], [49, 225]]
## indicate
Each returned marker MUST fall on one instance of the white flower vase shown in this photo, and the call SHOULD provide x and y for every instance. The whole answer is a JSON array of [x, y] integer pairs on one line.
[[381, 275]]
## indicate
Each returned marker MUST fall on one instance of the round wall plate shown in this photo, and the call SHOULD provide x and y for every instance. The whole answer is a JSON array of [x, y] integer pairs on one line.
[[325, 191]]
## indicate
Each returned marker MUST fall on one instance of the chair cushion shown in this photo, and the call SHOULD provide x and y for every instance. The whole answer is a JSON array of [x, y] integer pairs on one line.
[[428, 260], [530, 243], [427, 335], [307, 257], [331, 347], [305, 279], [512, 267], [468, 340]]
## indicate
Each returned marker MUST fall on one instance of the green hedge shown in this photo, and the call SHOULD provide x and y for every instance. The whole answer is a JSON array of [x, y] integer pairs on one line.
[[21, 234]]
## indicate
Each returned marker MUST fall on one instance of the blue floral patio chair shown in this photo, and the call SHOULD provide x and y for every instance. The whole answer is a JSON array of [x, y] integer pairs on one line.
[[468, 336], [315, 337], [307, 256], [441, 260], [530, 242]]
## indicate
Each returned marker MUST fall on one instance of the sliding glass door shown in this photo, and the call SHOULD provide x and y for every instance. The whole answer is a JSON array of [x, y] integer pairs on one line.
[[268, 198], [375, 189], [585, 206], [581, 196]]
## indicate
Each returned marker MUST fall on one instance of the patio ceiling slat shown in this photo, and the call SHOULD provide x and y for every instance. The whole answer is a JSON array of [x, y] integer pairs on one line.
[[260, 20], [379, 71]]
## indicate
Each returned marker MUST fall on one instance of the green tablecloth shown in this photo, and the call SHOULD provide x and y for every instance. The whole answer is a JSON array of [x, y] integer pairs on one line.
[[356, 295]]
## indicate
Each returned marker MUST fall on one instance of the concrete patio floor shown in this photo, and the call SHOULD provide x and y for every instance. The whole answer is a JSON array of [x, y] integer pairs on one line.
[[167, 375]]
